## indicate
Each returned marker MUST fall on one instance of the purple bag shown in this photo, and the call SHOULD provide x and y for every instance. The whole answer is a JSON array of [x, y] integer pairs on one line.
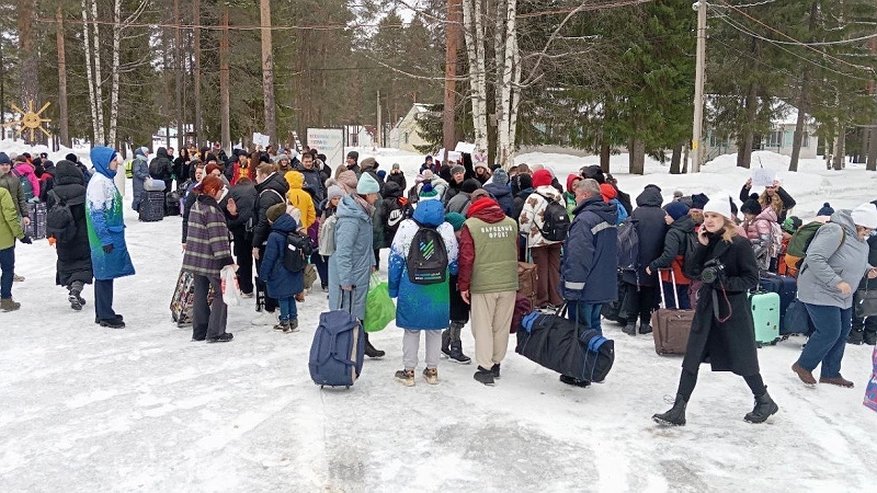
[[871, 390]]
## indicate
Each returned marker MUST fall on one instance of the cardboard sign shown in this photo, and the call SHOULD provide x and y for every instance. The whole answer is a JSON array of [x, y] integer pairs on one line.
[[261, 140], [329, 141], [762, 177], [465, 147]]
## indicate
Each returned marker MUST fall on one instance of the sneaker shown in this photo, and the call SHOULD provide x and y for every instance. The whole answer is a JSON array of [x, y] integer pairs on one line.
[[8, 305], [281, 326], [870, 338], [228, 336], [112, 323], [431, 375], [495, 370], [17, 278], [265, 318], [484, 376], [574, 381], [291, 326], [247, 295], [75, 302], [405, 377]]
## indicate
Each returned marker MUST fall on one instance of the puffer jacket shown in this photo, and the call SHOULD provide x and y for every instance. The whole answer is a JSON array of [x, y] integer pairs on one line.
[[26, 171], [271, 191], [836, 254], [12, 184], [281, 282], [301, 199], [74, 256], [532, 215], [10, 226], [652, 229], [766, 236], [352, 262]]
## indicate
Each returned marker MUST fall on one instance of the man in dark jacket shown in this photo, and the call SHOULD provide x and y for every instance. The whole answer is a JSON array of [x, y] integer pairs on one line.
[[74, 255], [162, 168], [588, 270], [353, 163], [499, 189], [243, 194], [640, 298], [272, 189], [314, 182], [865, 329]]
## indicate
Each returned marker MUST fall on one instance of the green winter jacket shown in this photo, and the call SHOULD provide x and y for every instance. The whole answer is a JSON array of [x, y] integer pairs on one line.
[[10, 225], [12, 184]]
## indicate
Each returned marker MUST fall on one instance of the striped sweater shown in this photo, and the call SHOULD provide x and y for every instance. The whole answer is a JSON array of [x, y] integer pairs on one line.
[[207, 246]]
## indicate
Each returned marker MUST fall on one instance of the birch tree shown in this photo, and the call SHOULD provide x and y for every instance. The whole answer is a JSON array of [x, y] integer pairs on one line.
[[92, 58], [474, 34]]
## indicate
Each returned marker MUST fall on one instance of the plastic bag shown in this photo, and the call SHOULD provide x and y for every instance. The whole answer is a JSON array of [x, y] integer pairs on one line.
[[231, 292], [379, 307], [871, 389]]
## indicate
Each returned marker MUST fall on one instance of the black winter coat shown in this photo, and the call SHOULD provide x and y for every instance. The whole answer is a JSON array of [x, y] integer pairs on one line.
[[503, 196], [652, 229], [74, 256], [245, 196], [272, 191], [399, 179], [729, 345], [680, 235], [161, 167]]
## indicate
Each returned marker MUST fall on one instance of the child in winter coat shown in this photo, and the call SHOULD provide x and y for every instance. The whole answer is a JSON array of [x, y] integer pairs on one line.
[[283, 285], [301, 199], [452, 345], [763, 232]]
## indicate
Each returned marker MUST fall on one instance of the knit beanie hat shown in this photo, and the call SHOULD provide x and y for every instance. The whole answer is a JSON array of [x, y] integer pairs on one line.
[[456, 220], [541, 178], [73, 158], [334, 191], [500, 176], [347, 180], [751, 207], [211, 168], [699, 201], [367, 185], [608, 192], [4, 158], [792, 224], [382, 174], [457, 169], [427, 192], [368, 163], [571, 180], [720, 206], [865, 215], [470, 185], [826, 210], [676, 210], [354, 155], [275, 211]]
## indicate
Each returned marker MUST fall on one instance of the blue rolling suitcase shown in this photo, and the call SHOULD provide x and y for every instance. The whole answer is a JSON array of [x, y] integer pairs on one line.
[[785, 286], [338, 349], [766, 317]]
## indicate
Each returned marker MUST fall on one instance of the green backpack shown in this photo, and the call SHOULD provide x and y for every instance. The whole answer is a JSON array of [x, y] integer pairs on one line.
[[802, 238]]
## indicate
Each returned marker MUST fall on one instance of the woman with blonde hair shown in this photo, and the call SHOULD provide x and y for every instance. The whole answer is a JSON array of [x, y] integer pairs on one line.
[[774, 196], [722, 331]]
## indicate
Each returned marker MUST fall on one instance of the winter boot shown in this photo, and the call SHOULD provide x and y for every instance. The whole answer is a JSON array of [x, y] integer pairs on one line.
[[629, 329], [574, 381], [446, 343], [371, 351], [74, 297], [857, 336], [645, 328], [405, 377], [484, 376], [870, 338], [431, 375], [282, 326], [803, 374], [764, 408], [227, 337], [675, 416], [456, 354], [291, 325], [8, 305], [114, 323], [495, 370]]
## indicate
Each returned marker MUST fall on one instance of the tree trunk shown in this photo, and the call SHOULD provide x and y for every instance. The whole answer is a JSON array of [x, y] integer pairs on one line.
[[637, 157], [676, 159], [114, 88], [196, 71], [685, 149], [798, 138], [746, 139], [872, 148], [101, 137], [452, 45], [605, 155], [63, 117], [268, 71], [840, 148], [92, 92], [178, 76], [473, 29], [224, 101]]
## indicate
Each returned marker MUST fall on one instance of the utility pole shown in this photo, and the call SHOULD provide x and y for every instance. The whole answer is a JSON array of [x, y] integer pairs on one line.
[[378, 132], [697, 138]]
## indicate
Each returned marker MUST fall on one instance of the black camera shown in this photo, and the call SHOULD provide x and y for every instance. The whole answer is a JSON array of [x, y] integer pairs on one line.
[[712, 271]]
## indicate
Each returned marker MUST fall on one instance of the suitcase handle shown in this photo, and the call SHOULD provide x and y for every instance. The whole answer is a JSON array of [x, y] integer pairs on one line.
[[341, 299], [675, 292]]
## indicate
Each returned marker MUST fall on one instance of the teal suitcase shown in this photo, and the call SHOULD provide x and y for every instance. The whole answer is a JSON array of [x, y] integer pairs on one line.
[[766, 317]]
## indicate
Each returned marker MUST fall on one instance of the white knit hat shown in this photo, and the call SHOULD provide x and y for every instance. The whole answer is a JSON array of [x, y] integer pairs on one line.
[[719, 205], [865, 215]]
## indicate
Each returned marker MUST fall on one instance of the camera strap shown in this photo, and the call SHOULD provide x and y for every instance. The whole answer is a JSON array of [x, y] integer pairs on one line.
[[716, 311]]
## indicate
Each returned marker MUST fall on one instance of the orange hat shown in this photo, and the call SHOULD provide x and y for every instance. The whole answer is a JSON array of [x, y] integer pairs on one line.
[[608, 192]]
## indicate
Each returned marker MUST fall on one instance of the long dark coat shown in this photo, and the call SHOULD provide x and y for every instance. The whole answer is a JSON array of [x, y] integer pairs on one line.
[[74, 256], [728, 346], [652, 230]]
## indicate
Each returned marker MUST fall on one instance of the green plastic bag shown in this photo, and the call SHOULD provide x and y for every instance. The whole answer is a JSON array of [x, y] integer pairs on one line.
[[379, 307]]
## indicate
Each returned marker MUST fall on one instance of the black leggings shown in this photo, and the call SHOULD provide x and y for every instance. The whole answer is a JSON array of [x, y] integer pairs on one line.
[[689, 379]]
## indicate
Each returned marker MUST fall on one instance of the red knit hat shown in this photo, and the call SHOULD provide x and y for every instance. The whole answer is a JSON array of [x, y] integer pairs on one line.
[[542, 178], [608, 192]]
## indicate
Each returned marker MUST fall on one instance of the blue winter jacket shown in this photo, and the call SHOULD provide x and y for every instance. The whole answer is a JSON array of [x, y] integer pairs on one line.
[[281, 282], [421, 307], [352, 262], [620, 211], [588, 272], [503, 196], [105, 220]]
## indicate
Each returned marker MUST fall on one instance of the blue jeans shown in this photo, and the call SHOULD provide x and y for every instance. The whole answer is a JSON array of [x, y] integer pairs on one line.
[[826, 345], [288, 310], [7, 265], [585, 314], [103, 299]]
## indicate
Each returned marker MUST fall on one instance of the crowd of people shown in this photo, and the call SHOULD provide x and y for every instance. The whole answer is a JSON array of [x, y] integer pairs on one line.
[[242, 214]]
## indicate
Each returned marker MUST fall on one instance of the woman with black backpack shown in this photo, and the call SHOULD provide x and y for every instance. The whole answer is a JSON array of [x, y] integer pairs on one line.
[[544, 248]]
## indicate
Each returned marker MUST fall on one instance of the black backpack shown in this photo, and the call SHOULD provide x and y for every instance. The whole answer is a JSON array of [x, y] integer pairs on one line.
[[427, 258], [59, 220], [298, 252], [555, 223], [628, 245]]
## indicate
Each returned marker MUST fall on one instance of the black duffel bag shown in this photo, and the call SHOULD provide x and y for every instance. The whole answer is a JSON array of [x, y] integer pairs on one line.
[[571, 349]]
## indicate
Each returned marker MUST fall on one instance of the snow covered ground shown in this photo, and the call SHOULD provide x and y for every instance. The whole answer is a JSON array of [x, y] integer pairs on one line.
[[90, 409]]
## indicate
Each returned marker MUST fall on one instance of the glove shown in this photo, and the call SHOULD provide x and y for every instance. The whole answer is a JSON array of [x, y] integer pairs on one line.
[[347, 287], [26, 240], [108, 248]]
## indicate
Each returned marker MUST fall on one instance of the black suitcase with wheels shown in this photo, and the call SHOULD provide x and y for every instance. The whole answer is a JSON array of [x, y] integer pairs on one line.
[[152, 206], [172, 204]]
